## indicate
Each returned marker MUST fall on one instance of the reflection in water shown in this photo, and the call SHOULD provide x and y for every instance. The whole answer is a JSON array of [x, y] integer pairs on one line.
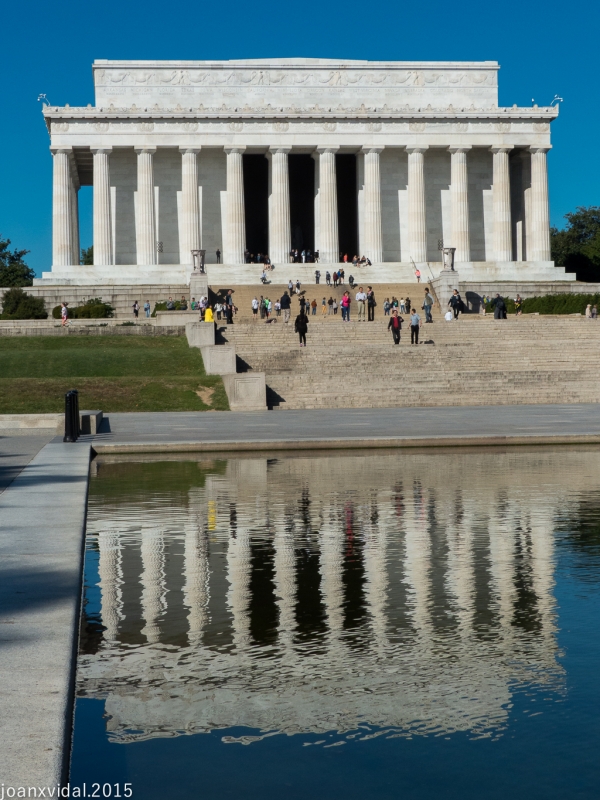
[[388, 594]]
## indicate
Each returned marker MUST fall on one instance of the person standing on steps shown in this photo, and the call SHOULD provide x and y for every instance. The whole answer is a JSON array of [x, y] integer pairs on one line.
[[518, 305], [64, 315], [301, 326], [323, 306], [254, 308], [328, 278], [371, 303], [330, 306], [290, 287], [136, 309], [313, 307], [361, 299], [286, 304], [395, 325], [346, 307], [427, 306], [499, 307], [415, 324], [147, 308], [317, 276], [456, 303], [218, 254], [407, 304]]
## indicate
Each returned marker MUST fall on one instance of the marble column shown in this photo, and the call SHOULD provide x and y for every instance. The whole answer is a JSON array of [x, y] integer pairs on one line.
[[501, 202], [62, 218], [280, 240], [317, 202], [103, 253], [153, 582], [235, 241], [190, 204], [145, 216], [538, 236], [373, 244], [417, 222], [195, 588], [74, 202], [459, 200], [329, 248]]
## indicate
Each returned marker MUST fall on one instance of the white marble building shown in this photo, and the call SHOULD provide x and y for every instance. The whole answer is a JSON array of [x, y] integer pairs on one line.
[[381, 158]]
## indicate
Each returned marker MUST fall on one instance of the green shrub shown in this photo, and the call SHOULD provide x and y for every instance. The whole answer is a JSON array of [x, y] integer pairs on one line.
[[552, 304], [163, 307], [94, 308], [17, 304]]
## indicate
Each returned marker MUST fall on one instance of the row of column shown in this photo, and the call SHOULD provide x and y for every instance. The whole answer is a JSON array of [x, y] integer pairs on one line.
[[65, 211]]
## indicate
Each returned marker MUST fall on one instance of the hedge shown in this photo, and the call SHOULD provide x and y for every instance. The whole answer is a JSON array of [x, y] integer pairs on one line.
[[552, 304], [17, 304], [94, 308]]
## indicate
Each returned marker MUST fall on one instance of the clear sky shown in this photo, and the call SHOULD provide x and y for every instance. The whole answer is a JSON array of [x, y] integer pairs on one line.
[[544, 48]]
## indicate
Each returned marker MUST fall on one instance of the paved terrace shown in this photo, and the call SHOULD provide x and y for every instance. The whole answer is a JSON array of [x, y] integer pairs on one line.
[[349, 428]]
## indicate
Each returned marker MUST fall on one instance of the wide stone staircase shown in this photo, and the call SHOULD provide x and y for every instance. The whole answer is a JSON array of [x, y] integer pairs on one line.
[[473, 361]]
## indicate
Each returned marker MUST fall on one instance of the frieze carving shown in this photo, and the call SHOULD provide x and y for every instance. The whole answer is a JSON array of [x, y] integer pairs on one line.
[[101, 127], [293, 77], [236, 127], [190, 127], [374, 127], [416, 127], [145, 127], [329, 126], [281, 127], [541, 127], [60, 127], [461, 127], [502, 127]]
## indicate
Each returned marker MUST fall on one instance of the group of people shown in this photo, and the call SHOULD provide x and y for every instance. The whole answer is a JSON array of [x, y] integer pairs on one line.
[[304, 256], [259, 258], [363, 261]]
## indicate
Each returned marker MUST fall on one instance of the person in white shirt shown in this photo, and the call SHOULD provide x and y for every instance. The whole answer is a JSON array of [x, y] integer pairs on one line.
[[361, 301], [255, 309]]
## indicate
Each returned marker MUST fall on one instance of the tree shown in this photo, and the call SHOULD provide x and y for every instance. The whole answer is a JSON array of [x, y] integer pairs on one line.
[[577, 247], [87, 256], [13, 270], [17, 304]]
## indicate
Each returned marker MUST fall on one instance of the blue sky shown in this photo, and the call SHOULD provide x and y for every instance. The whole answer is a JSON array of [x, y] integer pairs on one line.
[[543, 49]]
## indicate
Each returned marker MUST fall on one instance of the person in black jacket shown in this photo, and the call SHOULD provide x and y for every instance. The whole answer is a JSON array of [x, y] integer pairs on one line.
[[395, 324], [301, 327], [371, 304], [499, 307], [286, 304], [456, 303]]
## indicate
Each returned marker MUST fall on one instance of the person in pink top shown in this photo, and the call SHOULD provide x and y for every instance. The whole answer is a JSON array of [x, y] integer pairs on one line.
[[345, 303]]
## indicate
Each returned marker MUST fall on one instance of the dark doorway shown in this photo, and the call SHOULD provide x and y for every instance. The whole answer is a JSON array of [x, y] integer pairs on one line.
[[302, 201], [347, 197], [256, 203]]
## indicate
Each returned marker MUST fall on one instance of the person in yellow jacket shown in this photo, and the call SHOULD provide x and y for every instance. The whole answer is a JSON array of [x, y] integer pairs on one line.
[[208, 314]]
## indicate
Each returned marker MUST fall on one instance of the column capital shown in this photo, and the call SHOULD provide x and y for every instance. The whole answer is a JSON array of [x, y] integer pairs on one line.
[[99, 150], [327, 149], [464, 148], [143, 149], [194, 150], [506, 148], [275, 149], [66, 148], [421, 149], [239, 148], [544, 149], [368, 149]]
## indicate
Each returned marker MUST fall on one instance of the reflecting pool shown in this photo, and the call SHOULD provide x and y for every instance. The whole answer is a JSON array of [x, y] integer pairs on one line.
[[379, 625]]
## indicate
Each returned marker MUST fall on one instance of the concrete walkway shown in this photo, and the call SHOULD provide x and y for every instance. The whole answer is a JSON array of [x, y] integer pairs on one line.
[[343, 428], [42, 526], [17, 448]]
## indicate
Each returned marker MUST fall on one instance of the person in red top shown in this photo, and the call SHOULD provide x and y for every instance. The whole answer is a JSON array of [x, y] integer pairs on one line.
[[345, 303], [395, 324]]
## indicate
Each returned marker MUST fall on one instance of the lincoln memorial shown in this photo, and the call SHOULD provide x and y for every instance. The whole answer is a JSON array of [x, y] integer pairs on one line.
[[383, 159]]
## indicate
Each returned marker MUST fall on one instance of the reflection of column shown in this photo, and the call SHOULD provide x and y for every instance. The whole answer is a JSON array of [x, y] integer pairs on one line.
[[110, 573], [329, 252], [417, 224], [502, 558], [459, 199], [332, 587], [152, 580], [280, 242], [145, 222], [460, 579], [539, 234], [375, 559], [62, 237], [235, 242], [102, 213], [190, 204], [373, 246], [238, 577], [285, 584], [417, 565], [542, 562], [501, 203], [195, 589]]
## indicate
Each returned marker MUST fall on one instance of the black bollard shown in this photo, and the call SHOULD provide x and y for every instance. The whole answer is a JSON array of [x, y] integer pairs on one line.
[[69, 433], [76, 425]]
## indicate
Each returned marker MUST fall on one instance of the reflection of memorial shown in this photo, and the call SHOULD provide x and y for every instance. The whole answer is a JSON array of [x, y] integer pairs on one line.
[[412, 592]]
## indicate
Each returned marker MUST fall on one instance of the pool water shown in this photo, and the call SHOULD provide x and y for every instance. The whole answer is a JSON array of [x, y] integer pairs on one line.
[[381, 625]]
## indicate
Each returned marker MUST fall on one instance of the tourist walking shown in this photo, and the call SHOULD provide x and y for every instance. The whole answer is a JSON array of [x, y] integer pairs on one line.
[[361, 300], [286, 304], [456, 303], [335, 306], [499, 307], [136, 309], [208, 314], [317, 276], [395, 326], [395, 303], [418, 275], [415, 324], [407, 304], [147, 308], [64, 315], [255, 305], [301, 327], [427, 306], [323, 306], [218, 309], [588, 311], [218, 254], [290, 287], [313, 307], [386, 307], [330, 306], [335, 279], [518, 305], [261, 307], [297, 286], [277, 308], [328, 278], [371, 303], [594, 312]]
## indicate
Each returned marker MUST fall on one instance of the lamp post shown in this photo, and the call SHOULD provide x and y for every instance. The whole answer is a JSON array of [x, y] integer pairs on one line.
[[198, 260]]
